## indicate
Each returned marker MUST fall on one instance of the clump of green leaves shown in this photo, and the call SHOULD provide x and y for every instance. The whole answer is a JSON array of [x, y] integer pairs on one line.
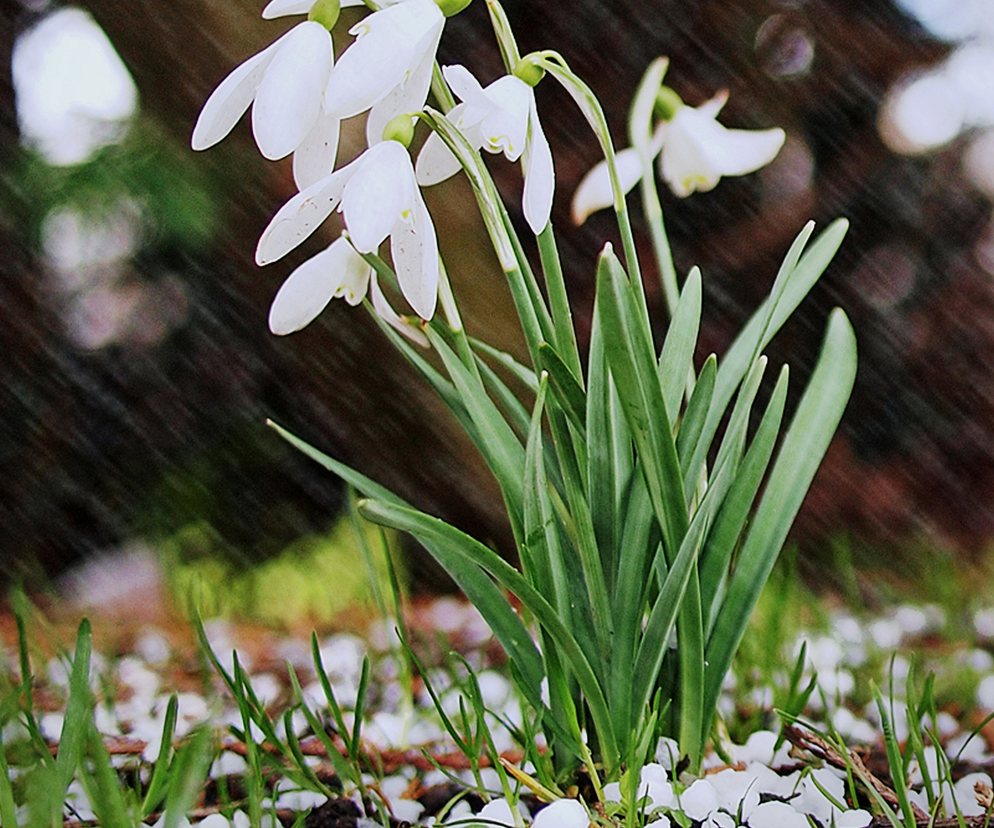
[[646, 509]]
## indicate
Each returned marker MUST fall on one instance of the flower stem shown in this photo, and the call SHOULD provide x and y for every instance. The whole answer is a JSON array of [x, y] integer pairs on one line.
[[562, 317]]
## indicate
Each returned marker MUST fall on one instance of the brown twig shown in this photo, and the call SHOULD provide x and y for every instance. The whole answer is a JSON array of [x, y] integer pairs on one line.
[[815, 744]]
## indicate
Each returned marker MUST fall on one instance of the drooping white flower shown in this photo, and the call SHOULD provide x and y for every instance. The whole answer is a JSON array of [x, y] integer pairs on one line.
[[694, 150], [502, 118], [284, 84], [698, 151], [387, 69], [379, 197], [338, 271]]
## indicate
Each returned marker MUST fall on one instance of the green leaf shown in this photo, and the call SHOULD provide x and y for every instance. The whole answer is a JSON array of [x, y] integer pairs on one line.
[[494, 437], [468, 551], [193, 761], [732, 518], [562, 316], [525, 375], [804, 445], [609, 453], [477, 586], [655, 639], [566, 387], [541, 555], [79, 709], [796, 277], [676, 362], [102, 785], [633, 366], [160, 771], [689, 433]]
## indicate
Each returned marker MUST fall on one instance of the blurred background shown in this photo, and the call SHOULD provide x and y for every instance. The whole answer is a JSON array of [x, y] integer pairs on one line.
[[137, 370]]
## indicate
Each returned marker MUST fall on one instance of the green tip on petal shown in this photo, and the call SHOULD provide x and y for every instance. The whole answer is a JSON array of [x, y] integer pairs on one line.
[[325, 12], [667, 103], [400, 129], [451, 7], [529, 70]]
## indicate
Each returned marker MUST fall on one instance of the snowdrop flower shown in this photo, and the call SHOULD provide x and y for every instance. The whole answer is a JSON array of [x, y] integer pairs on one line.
[[284, 84], [500, 118], [694, 151], [387, 69], [378, 196]]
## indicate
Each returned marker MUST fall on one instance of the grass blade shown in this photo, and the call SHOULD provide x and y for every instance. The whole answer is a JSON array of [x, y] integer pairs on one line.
[[79, 709]]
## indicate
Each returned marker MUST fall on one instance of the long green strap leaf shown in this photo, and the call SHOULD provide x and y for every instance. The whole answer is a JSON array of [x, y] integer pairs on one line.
[[655, 639], [732, 518], [566, 387], [692, 424], [796, 277], [477, 586], [609, 454], [471, 551], [497, 441], [677, 358], [804, 445], [633, 366]]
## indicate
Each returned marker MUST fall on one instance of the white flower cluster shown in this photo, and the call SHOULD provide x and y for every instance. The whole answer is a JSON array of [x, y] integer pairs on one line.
[[299, 96]]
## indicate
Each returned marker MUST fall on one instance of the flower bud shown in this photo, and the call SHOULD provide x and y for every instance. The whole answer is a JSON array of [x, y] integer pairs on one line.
[[666, 104], [529, 70], [400, 129], [325, 12], [452, 7]]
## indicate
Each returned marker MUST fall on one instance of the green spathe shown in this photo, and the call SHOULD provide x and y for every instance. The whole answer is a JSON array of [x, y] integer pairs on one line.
[[325, 12], [451, 7], [530, 70], [400, 129]]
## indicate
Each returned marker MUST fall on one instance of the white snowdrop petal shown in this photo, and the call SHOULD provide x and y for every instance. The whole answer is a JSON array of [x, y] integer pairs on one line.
[[382, 55], [315, 157], [386, 312], [313, 284], [594, 192], [684, 163], [409, 96], [302, 215], [284, 8], [288, 100], [233, 96], [377, 194], [436, 162], [414, 248], [746, 150], [540, 176], [505, 128], [464, 85]]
